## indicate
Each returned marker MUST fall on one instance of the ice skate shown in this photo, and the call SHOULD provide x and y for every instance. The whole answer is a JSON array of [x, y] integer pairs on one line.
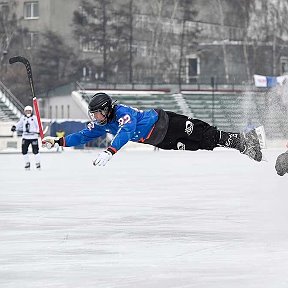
[[27, 166], [38, 166], [252, 142]]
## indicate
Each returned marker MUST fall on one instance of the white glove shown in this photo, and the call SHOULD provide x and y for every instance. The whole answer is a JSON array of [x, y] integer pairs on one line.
[[103, 158], [49, 142]]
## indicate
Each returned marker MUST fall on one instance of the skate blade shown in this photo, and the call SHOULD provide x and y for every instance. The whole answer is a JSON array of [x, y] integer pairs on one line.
[[260, 131]]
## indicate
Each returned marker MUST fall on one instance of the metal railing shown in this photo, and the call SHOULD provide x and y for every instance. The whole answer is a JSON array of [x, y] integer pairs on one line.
[[11, 97], [169, 88]]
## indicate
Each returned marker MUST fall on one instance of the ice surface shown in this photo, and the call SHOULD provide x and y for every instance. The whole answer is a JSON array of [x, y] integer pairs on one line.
[[148, 219]]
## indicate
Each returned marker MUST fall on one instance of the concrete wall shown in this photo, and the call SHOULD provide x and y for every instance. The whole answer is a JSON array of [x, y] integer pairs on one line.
[[65, 105], [55, 15]]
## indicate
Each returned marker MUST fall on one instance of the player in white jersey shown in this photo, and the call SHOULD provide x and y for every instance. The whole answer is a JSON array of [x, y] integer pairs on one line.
[[28, 126]]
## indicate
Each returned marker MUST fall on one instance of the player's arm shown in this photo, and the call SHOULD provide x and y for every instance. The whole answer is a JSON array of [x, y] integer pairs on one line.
[[18, 126], [127, 126], [74, 139]]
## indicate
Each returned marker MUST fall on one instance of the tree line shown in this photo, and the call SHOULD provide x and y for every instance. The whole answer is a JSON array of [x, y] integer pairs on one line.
[[130, 41]]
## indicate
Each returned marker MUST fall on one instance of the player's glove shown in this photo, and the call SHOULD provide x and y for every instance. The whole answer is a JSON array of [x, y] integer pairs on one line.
[[49, 142], [281, 165], [103, 158], [13, 128]]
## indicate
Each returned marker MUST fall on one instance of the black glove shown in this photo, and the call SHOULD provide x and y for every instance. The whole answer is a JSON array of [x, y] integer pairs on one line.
[[281, 165], [13, 128]]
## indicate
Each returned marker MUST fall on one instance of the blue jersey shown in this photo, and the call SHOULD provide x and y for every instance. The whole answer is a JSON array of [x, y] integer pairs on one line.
[[129, 124]]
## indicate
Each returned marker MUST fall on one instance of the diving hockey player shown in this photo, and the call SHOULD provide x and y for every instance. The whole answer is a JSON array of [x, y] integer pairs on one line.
[[29, 128], [163, 129]]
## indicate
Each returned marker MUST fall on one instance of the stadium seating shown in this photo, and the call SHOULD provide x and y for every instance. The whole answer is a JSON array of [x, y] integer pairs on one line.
[[142, 100], [10, 107], [232, 111], [6, 113]]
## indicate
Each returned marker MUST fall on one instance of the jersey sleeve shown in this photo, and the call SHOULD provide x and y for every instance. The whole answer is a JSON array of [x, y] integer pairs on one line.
[[127, 126], [19, 125], [82, 137]]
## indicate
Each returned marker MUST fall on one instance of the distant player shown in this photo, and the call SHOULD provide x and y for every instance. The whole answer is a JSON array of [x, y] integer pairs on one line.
[[162, 129], [29, 128]]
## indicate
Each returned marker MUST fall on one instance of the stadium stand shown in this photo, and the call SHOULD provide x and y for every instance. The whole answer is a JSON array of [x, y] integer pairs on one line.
[[10, 112], [10, 107], [232, 110], [140, 99]]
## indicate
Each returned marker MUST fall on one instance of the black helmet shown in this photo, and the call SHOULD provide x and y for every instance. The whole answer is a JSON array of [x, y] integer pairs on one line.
[[100, 102]]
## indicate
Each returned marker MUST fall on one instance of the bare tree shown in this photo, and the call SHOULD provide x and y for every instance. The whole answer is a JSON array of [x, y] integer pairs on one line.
[[90, 28], [55, 62], [170, 38], [221, 13], [104, 28], [248, 8], [8, 26], [131, 13], [156, 30], [278, 30], [266, 26], [122, 52], [188, 36]]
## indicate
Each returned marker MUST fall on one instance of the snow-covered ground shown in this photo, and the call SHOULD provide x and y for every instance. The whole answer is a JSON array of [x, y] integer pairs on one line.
[[147, 220]]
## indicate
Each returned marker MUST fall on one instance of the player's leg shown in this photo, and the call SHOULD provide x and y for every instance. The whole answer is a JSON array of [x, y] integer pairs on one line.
[[35, 150], [185, 133], [246, 143], [24, 149]]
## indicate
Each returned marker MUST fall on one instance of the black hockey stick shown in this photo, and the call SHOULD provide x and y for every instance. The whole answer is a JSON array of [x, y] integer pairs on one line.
[[23, 60]]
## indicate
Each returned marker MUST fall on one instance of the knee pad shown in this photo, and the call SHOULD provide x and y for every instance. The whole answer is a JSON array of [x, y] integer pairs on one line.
[[35, 146]]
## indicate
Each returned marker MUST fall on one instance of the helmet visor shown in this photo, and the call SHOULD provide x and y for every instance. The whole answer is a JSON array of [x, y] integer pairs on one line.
[[98, 116]]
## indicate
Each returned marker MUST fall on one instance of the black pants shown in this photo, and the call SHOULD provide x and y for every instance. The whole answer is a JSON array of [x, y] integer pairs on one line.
[[185, 133], [27, 142]]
